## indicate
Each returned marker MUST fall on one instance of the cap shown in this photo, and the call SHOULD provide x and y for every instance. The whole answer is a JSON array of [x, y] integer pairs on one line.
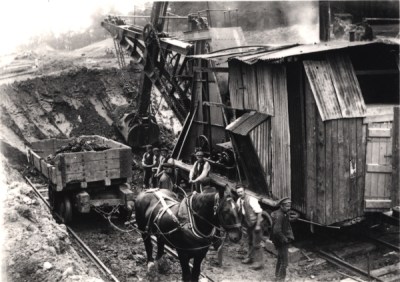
[[199, 153], [149, 146], [244, 186], [164, 149], [284, 200], [156, 149]]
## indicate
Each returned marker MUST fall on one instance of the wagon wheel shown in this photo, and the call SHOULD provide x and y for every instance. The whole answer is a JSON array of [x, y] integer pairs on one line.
[[64, 209], [266, 223]]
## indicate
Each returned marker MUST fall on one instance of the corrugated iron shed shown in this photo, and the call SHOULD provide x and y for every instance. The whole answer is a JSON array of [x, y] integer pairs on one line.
[[246, 123]]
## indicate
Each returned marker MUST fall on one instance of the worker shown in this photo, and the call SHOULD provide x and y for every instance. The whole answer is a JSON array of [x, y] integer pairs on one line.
[[167, 179], [147, 164], [281, 236], [252, 217], [199, 171], [164, 157], [156, 163]]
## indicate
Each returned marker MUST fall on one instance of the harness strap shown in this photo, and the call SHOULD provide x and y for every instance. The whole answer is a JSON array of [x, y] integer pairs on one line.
[[165, 208], [192, 224]]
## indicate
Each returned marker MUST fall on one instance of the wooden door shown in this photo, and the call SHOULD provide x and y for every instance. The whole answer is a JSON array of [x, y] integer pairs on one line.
[[378, 176]]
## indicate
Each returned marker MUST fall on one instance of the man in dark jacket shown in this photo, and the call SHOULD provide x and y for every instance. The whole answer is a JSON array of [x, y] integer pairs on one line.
[[281, 236], [252, 217], [147, 164]]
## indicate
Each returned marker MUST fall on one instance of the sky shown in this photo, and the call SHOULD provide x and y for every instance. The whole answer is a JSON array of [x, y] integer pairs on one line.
[[22, 19]]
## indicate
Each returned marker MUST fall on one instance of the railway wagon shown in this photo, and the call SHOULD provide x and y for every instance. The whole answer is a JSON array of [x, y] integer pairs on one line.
[[80, 181]]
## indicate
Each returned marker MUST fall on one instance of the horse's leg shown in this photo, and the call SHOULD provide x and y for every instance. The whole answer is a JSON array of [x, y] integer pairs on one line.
[[148, 246], [184, 260], [160, 248], [196, 266]]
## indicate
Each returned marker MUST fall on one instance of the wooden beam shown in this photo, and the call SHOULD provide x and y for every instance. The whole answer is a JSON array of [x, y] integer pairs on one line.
[[376, 72], [379, 168], [220, 105], [210, 69], [378, 203], [380, 118], [379, 132]]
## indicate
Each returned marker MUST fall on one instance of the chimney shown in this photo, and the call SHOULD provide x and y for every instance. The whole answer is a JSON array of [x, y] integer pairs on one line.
[[324, 20]]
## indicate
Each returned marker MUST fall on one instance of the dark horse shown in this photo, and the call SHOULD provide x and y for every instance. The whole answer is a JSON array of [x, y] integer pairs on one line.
[[188, 226]]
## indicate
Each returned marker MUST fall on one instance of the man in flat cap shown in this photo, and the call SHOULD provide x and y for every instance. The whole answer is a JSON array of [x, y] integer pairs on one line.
[[252, 217], [147, 164], [281, 236], [199, 171], [167, 179]]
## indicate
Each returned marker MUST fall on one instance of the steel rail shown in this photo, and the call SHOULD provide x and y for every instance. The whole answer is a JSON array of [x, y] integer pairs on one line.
[[343, 264], [384, 243], [104, 269]]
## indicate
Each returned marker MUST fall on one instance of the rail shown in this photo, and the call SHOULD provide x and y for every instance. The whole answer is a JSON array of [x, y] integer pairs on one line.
[[104, 269]]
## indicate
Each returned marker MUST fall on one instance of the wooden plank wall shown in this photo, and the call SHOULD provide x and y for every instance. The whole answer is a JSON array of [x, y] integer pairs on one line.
[[280, 135], [335, 166], [260, 138], [251, 87], [396, 158], [378, 177]]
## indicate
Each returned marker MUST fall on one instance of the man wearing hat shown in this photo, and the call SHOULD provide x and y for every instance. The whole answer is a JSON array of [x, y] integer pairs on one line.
[[199, 171], [147, 164], [156, 163], [281, 236], [252, 217], [167, 179]]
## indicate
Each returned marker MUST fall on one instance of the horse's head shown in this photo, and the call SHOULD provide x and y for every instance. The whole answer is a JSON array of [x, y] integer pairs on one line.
[[228, 214]]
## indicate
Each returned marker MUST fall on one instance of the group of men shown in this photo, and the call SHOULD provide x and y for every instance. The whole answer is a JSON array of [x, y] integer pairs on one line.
[[158, 168], [281, 235], [159, 172]]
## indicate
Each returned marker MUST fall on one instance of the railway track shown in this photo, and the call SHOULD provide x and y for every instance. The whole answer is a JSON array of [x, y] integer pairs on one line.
[[361, 265], [41, 191]]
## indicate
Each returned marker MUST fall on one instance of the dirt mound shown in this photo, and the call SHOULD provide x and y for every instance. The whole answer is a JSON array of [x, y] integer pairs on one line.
[[79, 102], [36, 247]]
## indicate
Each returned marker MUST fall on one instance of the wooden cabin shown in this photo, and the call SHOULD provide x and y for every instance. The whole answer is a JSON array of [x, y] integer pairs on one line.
[[318, 126]]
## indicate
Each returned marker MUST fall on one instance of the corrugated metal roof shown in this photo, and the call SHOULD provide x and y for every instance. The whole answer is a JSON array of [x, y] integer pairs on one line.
[[275, 53], [246, 123]]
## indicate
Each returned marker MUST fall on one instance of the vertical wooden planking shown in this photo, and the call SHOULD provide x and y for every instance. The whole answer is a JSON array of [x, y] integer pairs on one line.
[[264, 89], [311, 152], [320, 170], [346, 168], [328, 172], [250, 83], [235, 85], [341, 188], [335, 171], [395, 157], [381, 160], [246, 73], [374, 160], [361, 156], [353, 210]]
